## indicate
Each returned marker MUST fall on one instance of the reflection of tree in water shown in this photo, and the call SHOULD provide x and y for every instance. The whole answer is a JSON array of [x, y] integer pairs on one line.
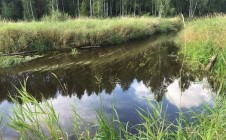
[[151, 65]]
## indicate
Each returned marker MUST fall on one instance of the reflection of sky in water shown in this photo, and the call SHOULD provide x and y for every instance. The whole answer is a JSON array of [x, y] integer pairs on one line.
[[194, 96], [125, 101]]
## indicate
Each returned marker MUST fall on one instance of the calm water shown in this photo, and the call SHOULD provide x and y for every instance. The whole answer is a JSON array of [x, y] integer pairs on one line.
[[122, 75]]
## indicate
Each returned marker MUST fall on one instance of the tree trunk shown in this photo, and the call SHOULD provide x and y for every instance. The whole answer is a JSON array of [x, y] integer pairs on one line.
[[98, 8], [120, 8], [57, 5], [104, 8], [211, 63], [160, 10], [190, 2], [62, 1], [152, 7], [90, 6], [78, 8], [107, 5], [32, 13], [111, 7], [134, 12], [74, 8]]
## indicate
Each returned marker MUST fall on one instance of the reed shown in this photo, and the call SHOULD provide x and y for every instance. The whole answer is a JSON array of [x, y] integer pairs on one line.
[[35, 120]]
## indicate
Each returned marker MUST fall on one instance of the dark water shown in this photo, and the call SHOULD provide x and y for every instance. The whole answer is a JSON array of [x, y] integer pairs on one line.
[[122, 75]]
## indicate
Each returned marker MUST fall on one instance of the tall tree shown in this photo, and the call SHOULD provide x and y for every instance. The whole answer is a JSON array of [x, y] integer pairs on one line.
[[84, 8], [28, 11], [11, 9], [90, 8]]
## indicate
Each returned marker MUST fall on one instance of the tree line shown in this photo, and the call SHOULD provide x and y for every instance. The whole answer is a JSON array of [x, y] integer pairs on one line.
[[36, 9]]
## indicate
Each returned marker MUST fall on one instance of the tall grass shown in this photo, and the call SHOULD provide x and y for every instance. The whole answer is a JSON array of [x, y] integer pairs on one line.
[[35, 120], [204, 38], [1, 127], [48, 35]]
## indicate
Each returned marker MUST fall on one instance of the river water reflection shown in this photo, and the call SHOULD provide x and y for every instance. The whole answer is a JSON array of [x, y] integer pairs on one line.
[[125, 76]]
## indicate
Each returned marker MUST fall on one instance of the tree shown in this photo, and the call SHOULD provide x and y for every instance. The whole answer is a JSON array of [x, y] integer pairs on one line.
[[90, 8], [11, 10], [36, 9], [84, 8], [28, 11]]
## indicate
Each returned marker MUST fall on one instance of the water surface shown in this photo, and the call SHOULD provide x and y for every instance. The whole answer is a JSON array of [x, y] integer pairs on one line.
[[125, 76]]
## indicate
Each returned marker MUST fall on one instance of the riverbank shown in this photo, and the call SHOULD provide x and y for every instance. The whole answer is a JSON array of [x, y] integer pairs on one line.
[[22, 37], [46, 35], [201, 40]]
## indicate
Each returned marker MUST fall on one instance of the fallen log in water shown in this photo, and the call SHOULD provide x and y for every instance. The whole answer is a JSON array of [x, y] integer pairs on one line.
[[20, 53], [88, 47], [211, 63]]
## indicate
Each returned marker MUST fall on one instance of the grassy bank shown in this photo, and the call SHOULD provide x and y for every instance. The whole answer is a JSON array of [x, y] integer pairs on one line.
[[39, 120], [203, 38], [47, 35]]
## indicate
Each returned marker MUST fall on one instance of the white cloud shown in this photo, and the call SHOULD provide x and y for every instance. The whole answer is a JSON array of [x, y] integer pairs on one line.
[[194, 96]]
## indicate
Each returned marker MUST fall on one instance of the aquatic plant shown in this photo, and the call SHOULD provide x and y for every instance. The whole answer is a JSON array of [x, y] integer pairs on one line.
[[74, 52], [10, 61]]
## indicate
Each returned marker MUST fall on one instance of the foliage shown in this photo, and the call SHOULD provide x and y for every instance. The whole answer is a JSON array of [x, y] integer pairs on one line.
[[10, 10], [37, 9], [84, 8], [28, 9], [56, 16]]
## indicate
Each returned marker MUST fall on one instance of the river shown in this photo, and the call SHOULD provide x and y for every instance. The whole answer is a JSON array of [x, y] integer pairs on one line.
[[126, 76]]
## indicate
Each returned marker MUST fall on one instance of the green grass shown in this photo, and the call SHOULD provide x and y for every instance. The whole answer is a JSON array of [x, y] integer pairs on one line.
[[74, 52], [11, 61], [48, 35], [31, 117], [39, 120], [1, 126], [200, 40]]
